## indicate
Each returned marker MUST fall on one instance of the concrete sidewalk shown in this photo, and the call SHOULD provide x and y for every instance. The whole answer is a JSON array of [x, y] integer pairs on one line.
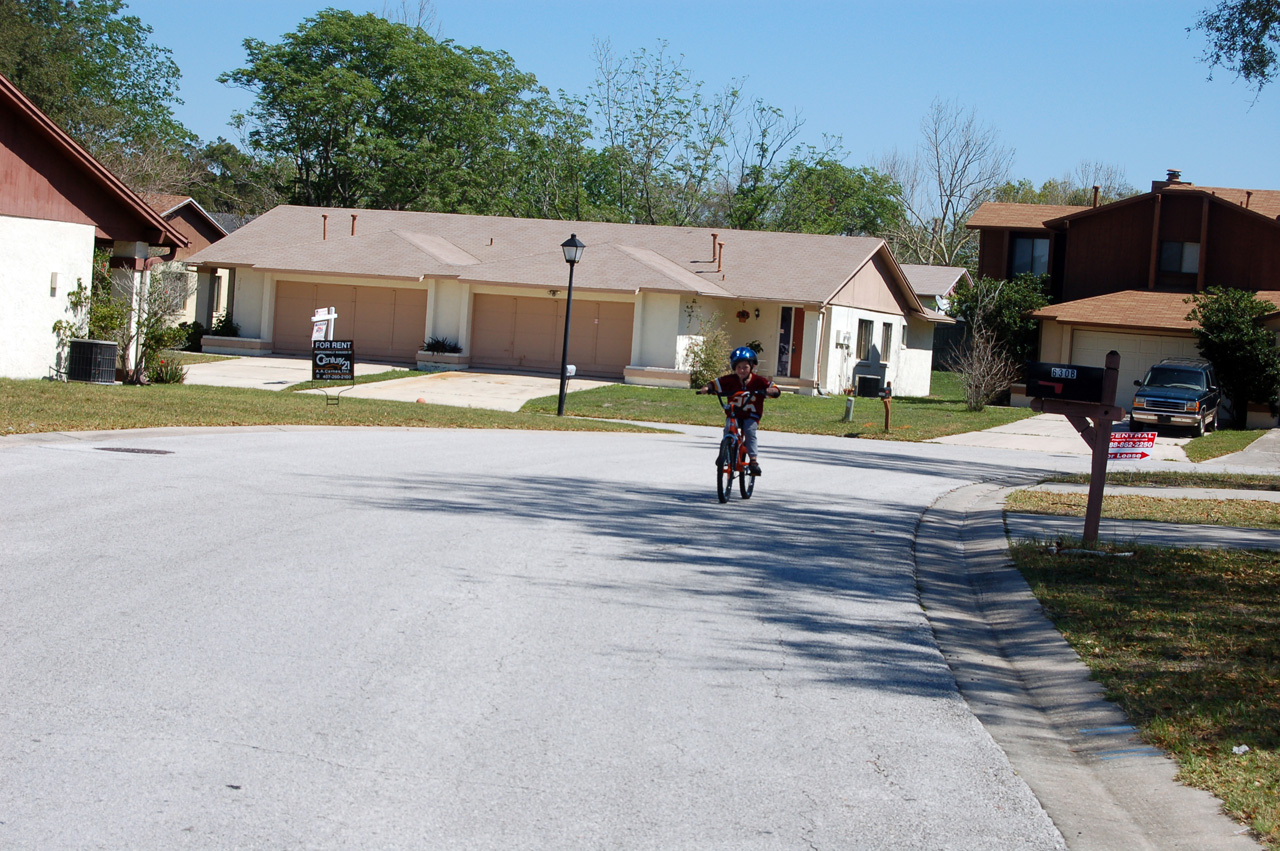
[[1054, 434]]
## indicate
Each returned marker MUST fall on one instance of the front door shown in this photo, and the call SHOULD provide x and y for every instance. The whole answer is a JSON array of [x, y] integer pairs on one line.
[[790, 341]]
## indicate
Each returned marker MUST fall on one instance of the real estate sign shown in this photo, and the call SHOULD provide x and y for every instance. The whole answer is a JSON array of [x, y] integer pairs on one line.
[[333, 360], [1131, 445]]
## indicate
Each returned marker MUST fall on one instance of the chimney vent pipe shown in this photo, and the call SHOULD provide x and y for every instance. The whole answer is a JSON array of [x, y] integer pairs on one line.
[[353, 224], [324, 225], [1175, 176], [715, 254], [1248, 194], [1095, 195], [719, 255]]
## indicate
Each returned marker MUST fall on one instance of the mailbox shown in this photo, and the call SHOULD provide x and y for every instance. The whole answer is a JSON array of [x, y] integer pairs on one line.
[[1064, 381]]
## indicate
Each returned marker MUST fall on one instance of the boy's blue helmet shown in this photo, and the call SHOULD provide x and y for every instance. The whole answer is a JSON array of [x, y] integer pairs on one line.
[[743, 353]]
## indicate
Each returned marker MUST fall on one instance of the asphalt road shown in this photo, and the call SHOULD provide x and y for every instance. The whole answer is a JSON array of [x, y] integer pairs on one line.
[[365, 638]]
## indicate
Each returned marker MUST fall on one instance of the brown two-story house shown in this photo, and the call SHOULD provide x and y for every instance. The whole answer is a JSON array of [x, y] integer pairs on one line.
[[1120, 274]]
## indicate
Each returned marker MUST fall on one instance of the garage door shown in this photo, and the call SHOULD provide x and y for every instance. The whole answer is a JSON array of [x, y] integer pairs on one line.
[[1137, 353], [516, 332], [386, 323]]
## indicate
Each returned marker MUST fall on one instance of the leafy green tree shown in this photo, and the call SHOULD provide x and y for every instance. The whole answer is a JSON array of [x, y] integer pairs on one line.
[[379, 114], [829, 197], [1003, 307], [1243, 36], [1229, 333], [95, 71], [235, 180], [1074, 188]]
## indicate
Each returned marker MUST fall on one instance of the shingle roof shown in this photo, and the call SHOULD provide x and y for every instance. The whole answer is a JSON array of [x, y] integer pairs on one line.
[[1147, 310], [756, 265], [1024, 216], [1263, 201], [933, 280]]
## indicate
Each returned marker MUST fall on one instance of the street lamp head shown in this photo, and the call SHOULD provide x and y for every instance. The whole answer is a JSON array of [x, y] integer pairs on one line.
[[572, 248]]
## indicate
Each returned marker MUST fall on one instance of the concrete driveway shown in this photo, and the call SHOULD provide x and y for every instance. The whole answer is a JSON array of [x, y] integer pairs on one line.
[[500, 391]]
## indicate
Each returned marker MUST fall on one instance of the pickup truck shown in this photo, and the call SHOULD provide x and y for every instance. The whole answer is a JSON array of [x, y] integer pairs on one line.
[[1179, 392]]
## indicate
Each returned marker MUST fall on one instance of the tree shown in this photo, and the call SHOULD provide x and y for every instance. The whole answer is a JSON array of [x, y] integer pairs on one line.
[[662, 140], [239, 180], [829, 197], [1005, 307], [96, 73], [1001, 335], [380, 114], [1243, 35], [1073, 188], [958, 165], [1229, 334]]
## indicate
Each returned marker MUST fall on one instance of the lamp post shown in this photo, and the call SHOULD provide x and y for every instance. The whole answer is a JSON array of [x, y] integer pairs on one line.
[[572, 248]]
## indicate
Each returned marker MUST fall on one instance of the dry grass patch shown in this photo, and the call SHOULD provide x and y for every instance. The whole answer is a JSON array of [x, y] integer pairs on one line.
[[1187, 642], [1250, 513]]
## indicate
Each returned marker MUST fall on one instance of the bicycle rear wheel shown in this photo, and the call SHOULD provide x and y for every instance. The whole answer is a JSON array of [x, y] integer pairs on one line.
[[724, 468], [746, 481]]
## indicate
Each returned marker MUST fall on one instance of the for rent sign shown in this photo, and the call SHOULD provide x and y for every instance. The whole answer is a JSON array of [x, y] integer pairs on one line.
[[1131, 445], [333, 360]]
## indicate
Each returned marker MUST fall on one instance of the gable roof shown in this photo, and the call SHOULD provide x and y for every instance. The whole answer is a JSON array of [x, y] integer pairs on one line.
[[754, 265], [1147, 310], [111, 208], [167, 205], [933, 280]]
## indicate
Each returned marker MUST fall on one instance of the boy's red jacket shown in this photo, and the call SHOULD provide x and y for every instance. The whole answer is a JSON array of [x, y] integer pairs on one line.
[[752, 407]]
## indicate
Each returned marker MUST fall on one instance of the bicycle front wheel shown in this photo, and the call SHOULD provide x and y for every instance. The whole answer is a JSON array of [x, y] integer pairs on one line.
[[746, 481], [724, 468]]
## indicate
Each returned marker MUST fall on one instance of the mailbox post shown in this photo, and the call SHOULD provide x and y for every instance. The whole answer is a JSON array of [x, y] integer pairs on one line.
[[1086, 396]]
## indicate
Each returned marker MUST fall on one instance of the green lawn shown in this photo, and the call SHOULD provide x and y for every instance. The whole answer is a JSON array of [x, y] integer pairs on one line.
[[939, 414], [40, 406], [1249, 513], [1187, 642]]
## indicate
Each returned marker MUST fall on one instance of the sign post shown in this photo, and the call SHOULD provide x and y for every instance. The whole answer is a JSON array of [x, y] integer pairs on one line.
[[1086, 396]]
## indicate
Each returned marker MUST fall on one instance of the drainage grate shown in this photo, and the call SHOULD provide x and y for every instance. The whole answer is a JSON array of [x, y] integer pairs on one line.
[[133, 451]]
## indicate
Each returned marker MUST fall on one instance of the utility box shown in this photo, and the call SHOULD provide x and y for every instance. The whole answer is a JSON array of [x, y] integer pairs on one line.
[[93, 361]]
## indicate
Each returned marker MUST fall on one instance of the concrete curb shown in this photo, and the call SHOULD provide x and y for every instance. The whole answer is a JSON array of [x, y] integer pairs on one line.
[[1102, 787]]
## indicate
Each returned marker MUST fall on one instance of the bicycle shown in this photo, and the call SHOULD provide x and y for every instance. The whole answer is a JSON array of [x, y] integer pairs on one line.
[[733, 460]]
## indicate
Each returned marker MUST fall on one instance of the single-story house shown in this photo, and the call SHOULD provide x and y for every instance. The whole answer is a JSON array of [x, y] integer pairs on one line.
[[933, 285], [209, 291], [826, 312], [57, 204]]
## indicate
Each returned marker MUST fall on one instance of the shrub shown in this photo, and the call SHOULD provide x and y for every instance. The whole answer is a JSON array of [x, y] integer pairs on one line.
[[707, 358], [224, 327], [195, 333], [442, 345], [166, 371]]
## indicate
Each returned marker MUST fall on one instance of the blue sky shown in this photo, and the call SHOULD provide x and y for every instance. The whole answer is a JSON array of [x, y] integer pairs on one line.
[[1117, 81]]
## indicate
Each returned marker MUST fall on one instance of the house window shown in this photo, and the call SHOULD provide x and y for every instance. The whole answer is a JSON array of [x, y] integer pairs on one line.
[[865, 328], [886, 342], [1030, 254], [1180, 257]]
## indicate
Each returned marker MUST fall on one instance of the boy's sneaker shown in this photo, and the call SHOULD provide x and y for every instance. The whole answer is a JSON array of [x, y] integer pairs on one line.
[[754, 469]]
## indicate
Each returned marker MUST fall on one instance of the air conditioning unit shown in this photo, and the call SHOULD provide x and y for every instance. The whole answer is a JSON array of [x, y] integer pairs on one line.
[[843, 338]]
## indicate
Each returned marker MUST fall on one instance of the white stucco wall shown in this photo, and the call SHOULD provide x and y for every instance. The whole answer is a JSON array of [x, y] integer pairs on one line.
[[656, 331], [31, 252], [841, 363]]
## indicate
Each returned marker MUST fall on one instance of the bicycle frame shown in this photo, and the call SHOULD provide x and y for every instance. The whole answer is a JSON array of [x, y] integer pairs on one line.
[[733, 444]]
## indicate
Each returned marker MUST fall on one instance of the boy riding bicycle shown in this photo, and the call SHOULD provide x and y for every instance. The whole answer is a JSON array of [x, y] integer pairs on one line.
[[750, 405]]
